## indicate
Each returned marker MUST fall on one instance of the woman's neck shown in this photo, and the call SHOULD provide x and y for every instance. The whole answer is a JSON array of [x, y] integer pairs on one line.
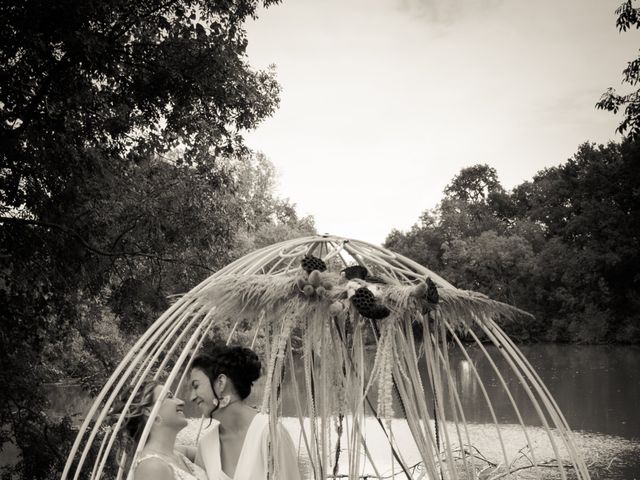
[[235, 417], [162, 440]]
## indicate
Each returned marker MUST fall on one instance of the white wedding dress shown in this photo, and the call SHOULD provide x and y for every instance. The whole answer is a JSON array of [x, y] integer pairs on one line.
[[194, 471], [253, 459]]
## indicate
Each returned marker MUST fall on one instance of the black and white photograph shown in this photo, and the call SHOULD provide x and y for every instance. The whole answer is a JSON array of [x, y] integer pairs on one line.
[[320, 240]]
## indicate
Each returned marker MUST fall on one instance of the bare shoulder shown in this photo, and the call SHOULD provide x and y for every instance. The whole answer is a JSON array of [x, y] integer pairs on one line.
[[153, 469]]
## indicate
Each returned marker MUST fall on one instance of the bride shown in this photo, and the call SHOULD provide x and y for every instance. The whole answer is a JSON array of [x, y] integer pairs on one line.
[[160, 459], [239, 446]]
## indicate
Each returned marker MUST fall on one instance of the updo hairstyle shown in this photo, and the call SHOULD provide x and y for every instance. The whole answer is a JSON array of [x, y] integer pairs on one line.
[[240, 364]]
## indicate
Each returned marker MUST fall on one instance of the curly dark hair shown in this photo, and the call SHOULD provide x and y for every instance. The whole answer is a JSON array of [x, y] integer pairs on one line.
[[240, 364]]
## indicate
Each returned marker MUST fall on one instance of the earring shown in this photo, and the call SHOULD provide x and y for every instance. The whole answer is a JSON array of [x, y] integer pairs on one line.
[[224, 401]]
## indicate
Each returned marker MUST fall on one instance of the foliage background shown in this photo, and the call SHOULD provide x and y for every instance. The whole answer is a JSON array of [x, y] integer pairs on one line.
[[563, 246], [125, 179]]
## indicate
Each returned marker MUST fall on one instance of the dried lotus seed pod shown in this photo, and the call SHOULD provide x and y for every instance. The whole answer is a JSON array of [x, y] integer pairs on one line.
[[365, 293], [355, 271], [311, 263], [377, 312], [432, 292], [363, 299]]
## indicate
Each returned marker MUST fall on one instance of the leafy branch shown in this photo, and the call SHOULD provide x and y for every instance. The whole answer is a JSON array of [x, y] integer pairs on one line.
[[98, 251], [628, 17]]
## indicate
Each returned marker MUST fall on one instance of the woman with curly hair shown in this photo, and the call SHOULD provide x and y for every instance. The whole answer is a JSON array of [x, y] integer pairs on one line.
[[239, 446], [159, 459]]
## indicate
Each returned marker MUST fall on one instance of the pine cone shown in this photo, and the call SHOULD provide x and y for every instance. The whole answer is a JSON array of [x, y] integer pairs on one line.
[[311, 263]]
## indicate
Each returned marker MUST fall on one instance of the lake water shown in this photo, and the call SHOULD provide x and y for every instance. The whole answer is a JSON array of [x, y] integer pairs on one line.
[[596, 387]]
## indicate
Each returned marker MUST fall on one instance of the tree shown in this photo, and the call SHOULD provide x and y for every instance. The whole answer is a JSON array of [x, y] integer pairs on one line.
[[474, 202], [628, 17], [155, 232], [98, 211], [563, 246], [495, 265], [587, 269], [422, 243], [125, 78], [267, 219], [501, 267], [474, 184]]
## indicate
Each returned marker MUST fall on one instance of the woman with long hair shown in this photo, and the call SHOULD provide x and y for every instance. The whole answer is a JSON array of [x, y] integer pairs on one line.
[[239, 446], [159, 459]]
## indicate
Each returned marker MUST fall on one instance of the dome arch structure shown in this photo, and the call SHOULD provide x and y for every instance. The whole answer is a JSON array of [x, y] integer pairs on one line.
[[375, 337]]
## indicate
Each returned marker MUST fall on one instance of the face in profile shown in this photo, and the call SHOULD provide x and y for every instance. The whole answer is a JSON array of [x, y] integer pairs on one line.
[[202, 392], [171, 412]]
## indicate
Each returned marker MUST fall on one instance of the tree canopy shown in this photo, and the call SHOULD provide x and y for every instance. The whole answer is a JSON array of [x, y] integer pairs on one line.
[[627, 18], [124, 180], [563, 246]]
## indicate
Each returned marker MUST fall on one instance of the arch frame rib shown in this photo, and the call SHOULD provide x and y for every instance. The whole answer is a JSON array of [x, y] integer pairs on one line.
[[416, 371]]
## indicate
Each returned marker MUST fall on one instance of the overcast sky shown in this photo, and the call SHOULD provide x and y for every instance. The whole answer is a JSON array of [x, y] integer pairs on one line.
[[384, 101]]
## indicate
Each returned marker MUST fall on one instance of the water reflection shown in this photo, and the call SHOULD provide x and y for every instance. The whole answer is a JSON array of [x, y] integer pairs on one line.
[[465, 380], [596, 387]]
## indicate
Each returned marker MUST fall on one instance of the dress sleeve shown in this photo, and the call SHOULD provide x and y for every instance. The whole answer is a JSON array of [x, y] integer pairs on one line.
[[285, 454]]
